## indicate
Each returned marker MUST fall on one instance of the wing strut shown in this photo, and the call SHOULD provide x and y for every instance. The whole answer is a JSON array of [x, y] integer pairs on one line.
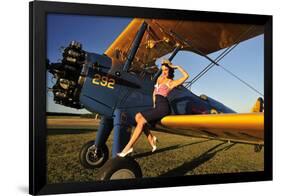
[[135, 46]]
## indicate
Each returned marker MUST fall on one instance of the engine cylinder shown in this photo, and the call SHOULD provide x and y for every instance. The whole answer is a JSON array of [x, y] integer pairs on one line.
[[67, 89]]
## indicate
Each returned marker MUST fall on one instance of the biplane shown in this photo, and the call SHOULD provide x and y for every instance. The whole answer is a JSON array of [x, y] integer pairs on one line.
[[120, 82]]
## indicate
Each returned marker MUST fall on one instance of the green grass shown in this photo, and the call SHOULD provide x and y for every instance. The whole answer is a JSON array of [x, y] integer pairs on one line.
[[176, 156]]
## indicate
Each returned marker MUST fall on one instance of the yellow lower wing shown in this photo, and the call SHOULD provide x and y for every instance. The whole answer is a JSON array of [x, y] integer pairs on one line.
[[244, 127]]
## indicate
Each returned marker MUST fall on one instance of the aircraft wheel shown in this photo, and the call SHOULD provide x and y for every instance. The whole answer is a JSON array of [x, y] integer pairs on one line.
[[258, 148], [120, 168], [92, 157], [213, 111]]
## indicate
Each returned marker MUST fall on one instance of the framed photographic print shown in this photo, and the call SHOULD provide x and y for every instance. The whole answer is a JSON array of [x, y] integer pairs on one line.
[[130, 97]]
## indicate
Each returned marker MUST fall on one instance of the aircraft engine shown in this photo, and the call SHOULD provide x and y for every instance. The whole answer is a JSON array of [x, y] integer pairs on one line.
[[68, 76]]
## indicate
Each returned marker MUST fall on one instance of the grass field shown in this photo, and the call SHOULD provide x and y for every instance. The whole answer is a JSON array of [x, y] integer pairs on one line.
[[176, 156]]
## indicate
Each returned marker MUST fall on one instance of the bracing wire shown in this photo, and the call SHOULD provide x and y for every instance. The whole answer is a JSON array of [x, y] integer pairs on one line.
[[221, 56], [207, 68], [241, 80]]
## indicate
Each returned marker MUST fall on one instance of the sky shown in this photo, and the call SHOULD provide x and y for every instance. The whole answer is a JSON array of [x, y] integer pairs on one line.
[[96, 33]]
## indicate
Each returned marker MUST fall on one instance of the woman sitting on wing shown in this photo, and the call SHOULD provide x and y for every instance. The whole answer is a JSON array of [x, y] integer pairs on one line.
[[161, 108]]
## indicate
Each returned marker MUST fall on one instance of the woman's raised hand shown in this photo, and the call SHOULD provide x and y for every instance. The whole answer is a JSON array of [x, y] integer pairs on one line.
[[174, 66]]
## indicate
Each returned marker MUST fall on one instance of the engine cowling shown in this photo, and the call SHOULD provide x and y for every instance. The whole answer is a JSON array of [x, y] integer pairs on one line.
[[68, 76]]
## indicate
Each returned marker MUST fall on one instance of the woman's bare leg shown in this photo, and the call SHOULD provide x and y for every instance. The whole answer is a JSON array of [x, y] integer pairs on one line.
[[137, 132], [149, 135]]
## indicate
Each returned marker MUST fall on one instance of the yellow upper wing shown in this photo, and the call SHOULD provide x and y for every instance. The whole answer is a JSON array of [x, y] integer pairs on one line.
[[160, 39], [242, 127]]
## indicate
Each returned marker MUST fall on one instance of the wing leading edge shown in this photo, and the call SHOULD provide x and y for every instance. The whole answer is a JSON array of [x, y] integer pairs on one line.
[[248, 127]]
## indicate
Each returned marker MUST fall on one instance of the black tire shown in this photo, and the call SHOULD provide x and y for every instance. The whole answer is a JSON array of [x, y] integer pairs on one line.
[[258, 148], [120, 168], [92, 159]]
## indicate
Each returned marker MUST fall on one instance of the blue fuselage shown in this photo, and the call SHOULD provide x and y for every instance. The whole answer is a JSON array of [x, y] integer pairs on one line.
[[107, 88]]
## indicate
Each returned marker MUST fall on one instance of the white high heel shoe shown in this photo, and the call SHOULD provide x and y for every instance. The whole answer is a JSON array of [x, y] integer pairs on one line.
[[154, 147], [123, 154]]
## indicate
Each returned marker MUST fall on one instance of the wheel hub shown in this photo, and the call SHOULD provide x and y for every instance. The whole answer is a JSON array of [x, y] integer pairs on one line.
[[94, 155], [123, 174]]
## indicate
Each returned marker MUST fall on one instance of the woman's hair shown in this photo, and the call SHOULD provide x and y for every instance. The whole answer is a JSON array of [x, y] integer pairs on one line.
[[170, 72]]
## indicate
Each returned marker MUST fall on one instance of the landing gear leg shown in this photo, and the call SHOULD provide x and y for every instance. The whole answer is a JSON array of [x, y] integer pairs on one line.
[[122, 133], [105, 128]]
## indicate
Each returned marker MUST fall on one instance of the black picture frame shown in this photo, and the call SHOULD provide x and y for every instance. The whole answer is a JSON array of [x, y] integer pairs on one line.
[[37, 105]]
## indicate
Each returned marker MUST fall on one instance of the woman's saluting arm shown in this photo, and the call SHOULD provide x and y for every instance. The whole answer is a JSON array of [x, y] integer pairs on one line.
[[181, 80]]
